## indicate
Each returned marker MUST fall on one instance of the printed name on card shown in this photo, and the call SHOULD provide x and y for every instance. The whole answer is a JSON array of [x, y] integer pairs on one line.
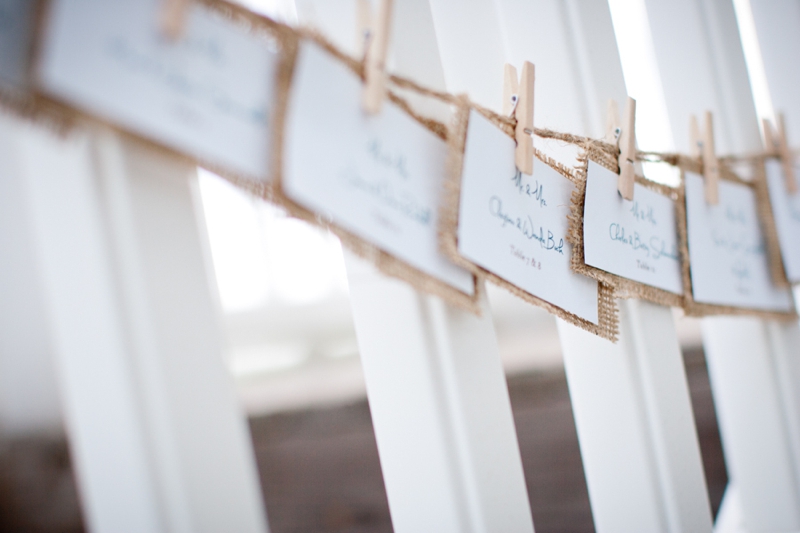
[[781, 219], [511, 227], [208, 94], [375, 180], [632, 245], [727, 258]]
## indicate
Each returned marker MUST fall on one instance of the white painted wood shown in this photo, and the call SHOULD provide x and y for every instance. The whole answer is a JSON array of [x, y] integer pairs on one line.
[[701, 66], [754, 437], [435, 382], [29, 402], [630, 400], [635, 425], [772, 27], [777, 34], [158, 440]]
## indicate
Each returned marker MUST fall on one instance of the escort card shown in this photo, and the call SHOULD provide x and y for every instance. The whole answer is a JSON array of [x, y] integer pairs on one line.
[[638, 239], [728, 259], [379, 177], [209, 94], [16, 36], [786, 212], [514, 225]]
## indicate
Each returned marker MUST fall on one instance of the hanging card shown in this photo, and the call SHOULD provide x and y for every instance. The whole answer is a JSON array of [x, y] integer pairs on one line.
[[209, 94], [375, 180], [632, 245], [511, 227], [727, 257], [784, 223]]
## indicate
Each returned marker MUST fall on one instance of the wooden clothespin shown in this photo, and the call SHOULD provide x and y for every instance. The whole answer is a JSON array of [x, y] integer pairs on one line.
[[364, 21], [518, 102], [375, 61], [778, 145], [702, 146], [172, 17], [627, 151]]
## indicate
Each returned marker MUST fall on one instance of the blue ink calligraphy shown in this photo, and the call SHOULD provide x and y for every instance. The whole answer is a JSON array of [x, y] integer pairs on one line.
[[525, 225]]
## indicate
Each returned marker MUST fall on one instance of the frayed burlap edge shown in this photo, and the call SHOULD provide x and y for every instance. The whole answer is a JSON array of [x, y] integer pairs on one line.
[[623, 287], [384, 261], [690, 306], [608, 326], [767, 218]]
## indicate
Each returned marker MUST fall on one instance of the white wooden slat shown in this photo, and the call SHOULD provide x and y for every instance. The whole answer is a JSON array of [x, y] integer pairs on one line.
[[435, 382], [631, 401], [701, 66], [29, 402], [103, 423], [778, 39], [156, 434]]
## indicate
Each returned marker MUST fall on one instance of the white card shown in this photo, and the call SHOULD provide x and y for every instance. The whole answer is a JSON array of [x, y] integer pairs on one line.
[[515, 225], [209, 94], [379, 177], [637, 239], [727, 251], [786, 212]]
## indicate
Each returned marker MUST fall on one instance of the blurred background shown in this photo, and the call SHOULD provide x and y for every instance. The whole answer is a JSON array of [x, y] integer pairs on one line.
[[291, 351], [292, 354]]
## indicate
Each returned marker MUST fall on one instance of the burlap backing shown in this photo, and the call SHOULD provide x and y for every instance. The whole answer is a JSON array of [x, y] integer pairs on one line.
[[690, 305], [386, 263], [608, 326], [767, 218], [623, 287]]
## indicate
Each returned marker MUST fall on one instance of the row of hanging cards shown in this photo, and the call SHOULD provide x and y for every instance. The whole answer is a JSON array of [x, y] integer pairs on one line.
[[701, 246], [440, 207], [219, 93], [564, 239]]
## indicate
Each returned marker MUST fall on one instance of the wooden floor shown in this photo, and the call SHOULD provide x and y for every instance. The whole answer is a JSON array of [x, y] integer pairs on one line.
[[320, 470]]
